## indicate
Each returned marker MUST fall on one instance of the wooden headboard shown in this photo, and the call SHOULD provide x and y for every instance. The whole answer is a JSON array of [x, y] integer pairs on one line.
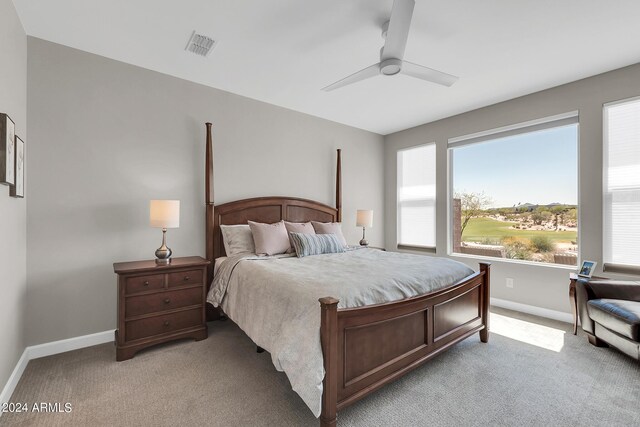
[[260, 209], [268, 210]]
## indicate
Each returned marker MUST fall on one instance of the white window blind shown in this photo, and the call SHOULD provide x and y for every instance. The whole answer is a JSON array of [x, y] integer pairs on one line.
[[622, 185], [417, 196]]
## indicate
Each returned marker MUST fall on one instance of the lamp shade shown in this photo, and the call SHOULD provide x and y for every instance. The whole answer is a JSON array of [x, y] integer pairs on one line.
[[164, 213], [364, 218]]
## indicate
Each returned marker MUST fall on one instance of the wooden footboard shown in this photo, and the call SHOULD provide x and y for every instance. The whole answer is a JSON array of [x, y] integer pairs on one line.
[[367, 347]]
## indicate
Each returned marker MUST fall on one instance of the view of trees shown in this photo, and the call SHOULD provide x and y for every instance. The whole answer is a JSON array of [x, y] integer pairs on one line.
[[472, 206], [543, 233]]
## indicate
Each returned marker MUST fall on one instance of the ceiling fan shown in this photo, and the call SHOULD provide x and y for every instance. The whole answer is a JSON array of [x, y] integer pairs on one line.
[[395, 32]]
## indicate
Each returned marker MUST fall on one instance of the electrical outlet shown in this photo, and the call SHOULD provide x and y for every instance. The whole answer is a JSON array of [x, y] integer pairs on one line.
[[509, 282]]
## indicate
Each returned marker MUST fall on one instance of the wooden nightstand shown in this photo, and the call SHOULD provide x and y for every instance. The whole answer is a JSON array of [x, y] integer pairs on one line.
[[159, 303]]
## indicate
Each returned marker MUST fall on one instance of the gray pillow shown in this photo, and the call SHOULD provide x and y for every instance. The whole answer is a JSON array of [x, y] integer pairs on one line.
[[316, 244], [237, 239]]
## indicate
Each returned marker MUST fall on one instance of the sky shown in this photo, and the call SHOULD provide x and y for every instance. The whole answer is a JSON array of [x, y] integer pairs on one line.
[[538, 167]]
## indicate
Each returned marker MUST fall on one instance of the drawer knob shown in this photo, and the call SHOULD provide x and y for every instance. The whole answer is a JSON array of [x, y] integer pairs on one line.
[[167, 301], [186, 278], [166, 323], [146, 283]]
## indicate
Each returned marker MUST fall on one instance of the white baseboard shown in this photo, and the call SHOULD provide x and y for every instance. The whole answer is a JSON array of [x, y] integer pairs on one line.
[[49, 349], [8, 389], [532, 309], [57, 347]]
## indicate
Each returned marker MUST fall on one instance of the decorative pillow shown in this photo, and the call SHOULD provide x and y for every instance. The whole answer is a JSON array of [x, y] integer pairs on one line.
[[270, 239], [316, 244], [237, 239], [330, 228], [298, 227]]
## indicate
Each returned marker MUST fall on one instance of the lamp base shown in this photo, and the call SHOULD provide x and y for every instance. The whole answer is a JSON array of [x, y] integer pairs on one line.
[[363, 242], [163, 253]]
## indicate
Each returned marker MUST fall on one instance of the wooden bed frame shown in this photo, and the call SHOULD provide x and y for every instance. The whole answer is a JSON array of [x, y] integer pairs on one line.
[[366, 347]]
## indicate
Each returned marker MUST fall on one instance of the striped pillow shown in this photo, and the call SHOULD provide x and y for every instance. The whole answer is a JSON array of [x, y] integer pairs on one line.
[[316, 244]]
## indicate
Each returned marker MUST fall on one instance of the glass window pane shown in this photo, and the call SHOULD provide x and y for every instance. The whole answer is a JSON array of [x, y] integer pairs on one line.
[[516, 197]]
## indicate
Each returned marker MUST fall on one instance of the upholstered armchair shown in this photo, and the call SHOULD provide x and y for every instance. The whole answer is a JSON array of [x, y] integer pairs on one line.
[[610, 313]]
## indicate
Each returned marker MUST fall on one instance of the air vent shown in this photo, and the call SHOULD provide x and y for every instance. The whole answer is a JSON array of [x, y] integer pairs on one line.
[[200, 45]]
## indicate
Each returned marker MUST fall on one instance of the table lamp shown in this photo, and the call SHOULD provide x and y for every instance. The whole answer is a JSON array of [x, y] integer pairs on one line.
[[364, 218], [164, 214]]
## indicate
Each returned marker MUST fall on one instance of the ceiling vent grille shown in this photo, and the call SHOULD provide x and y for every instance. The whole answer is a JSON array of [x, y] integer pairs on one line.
[[200, 45]]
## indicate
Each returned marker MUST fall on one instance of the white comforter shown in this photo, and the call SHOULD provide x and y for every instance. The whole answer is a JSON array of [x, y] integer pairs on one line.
[[275, 300]]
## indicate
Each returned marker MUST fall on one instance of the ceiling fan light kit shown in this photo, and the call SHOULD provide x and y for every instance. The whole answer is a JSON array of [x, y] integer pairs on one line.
[[396, 32]]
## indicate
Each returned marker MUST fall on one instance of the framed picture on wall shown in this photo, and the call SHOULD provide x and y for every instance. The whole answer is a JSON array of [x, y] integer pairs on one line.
[[7, 150], [17, 190]]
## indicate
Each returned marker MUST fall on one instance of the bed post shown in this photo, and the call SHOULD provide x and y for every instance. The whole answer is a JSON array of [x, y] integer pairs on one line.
[[329, 342], [208, 190], [212, 313], [485, 267], [339, 186]]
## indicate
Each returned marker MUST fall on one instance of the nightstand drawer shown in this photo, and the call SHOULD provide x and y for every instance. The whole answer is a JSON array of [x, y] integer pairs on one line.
[[182, 278], [144, 283], [137, 329], [153, 303]]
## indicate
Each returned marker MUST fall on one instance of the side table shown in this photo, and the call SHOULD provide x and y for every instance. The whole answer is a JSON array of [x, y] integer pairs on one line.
[[573, 278]]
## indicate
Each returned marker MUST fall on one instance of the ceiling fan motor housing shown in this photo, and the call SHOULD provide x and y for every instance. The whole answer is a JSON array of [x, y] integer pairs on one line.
[[389, 67]]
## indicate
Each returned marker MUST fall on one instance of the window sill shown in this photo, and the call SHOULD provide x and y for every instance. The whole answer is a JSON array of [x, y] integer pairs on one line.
[[428, 249], [621, 268], [515, 261]]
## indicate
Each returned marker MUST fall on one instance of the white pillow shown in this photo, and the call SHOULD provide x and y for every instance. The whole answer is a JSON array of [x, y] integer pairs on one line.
[[237, 239]]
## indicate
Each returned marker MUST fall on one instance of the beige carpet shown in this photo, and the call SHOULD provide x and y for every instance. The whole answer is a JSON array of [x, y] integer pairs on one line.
[[552, 379]]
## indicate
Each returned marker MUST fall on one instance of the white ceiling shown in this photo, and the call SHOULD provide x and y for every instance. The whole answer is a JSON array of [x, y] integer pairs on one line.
[[283, 51]]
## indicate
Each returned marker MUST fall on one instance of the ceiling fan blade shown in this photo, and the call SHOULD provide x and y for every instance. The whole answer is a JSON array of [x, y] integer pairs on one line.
[[364, 74], [398, 31], [428, 74]]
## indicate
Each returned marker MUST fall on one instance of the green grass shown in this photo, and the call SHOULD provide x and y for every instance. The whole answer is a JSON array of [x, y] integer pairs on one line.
[[480, 229]]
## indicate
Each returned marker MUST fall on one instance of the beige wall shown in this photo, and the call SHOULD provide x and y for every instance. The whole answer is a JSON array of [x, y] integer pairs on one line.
[[13, 212], [106, 137], [536, 285]]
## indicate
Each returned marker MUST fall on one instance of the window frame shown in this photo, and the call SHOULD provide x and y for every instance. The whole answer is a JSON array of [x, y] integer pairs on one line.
[[548, 122], [405, 246], [609, 266]]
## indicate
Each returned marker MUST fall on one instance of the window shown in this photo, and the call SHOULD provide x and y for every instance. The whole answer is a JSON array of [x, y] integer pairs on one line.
[[515, 192], [622, 186], [417, 197]]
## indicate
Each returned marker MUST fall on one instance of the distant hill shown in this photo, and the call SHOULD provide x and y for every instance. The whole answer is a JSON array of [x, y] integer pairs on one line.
[[529, 207]]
